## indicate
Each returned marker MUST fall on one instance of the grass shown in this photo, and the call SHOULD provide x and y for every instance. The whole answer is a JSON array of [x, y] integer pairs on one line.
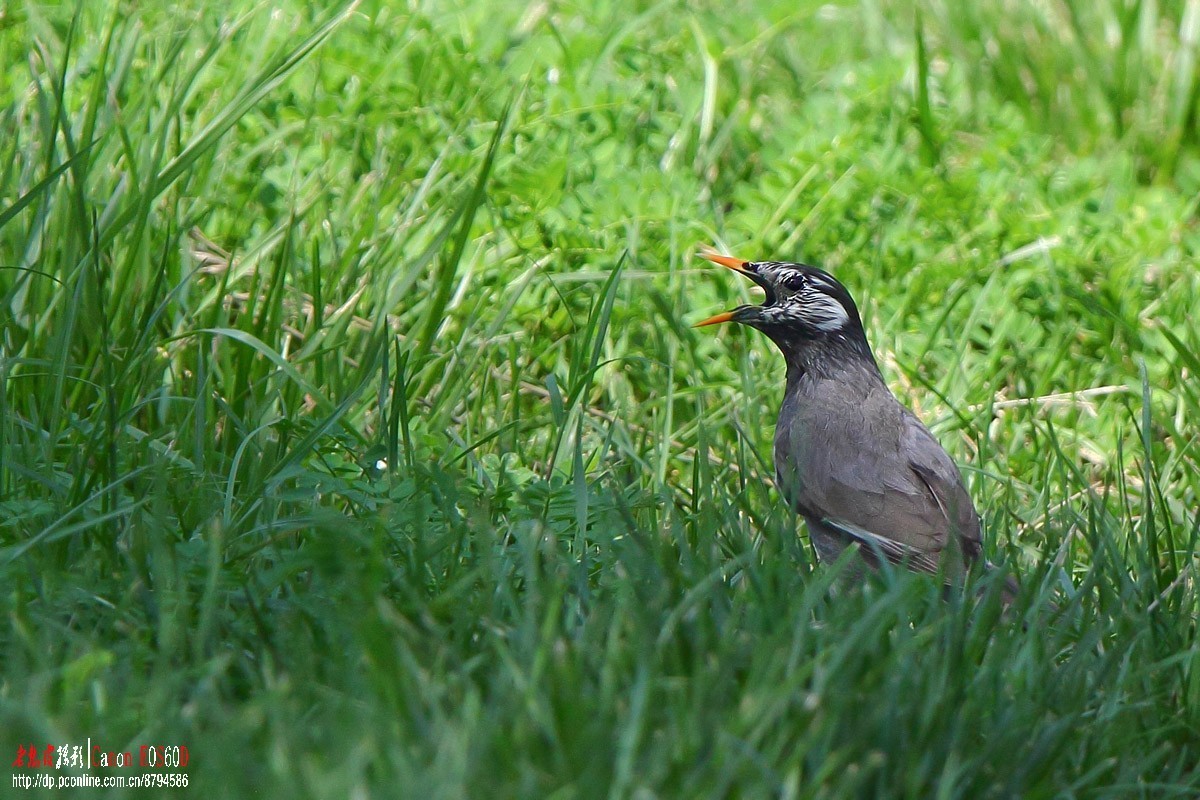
[[352, 433]]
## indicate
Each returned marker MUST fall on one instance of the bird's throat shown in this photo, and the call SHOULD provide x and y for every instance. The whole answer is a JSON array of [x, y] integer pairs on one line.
[[827, 358]]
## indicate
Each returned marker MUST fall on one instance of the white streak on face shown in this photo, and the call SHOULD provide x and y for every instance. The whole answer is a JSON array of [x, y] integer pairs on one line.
[[809, 304], [822, 311], [813, 308]]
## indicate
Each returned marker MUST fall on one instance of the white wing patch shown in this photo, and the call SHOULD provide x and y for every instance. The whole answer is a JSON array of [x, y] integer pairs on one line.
[[895, 552]]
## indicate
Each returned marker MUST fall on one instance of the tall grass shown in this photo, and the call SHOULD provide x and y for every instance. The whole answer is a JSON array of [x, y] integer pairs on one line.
[[352, 433], [1090, 72]]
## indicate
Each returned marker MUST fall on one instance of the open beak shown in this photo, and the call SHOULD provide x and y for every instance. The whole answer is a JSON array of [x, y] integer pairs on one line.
[[735, 264], [741, 267], [715, 319]]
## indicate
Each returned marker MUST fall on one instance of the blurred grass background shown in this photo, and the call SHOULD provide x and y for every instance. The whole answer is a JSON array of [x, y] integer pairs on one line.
[[352, 433]]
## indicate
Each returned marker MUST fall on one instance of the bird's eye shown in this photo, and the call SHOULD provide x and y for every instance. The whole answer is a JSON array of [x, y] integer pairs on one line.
[[795, 282]]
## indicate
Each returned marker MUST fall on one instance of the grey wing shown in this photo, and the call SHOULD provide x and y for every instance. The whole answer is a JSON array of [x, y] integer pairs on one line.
[[941, 478], [899, 495]]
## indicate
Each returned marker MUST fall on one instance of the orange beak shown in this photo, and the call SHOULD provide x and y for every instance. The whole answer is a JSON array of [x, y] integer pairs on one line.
[[735, 264], [722, 317]]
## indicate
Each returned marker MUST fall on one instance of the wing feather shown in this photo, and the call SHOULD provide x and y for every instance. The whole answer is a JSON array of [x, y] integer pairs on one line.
[[877, 476]]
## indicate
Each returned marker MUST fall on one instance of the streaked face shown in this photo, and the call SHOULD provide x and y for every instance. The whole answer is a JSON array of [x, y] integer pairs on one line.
[[804, 297], [801, 302]]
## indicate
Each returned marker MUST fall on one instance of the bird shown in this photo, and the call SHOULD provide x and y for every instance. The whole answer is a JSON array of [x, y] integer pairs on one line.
[[857, 465]]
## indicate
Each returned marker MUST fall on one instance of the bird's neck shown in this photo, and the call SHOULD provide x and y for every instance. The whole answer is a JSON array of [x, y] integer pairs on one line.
[[828, 359]]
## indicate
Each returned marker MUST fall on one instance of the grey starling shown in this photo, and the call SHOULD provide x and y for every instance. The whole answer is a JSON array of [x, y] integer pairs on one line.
[[859, 467]]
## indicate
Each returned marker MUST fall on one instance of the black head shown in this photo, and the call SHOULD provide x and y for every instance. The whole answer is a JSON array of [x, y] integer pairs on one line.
[[805, 311]]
